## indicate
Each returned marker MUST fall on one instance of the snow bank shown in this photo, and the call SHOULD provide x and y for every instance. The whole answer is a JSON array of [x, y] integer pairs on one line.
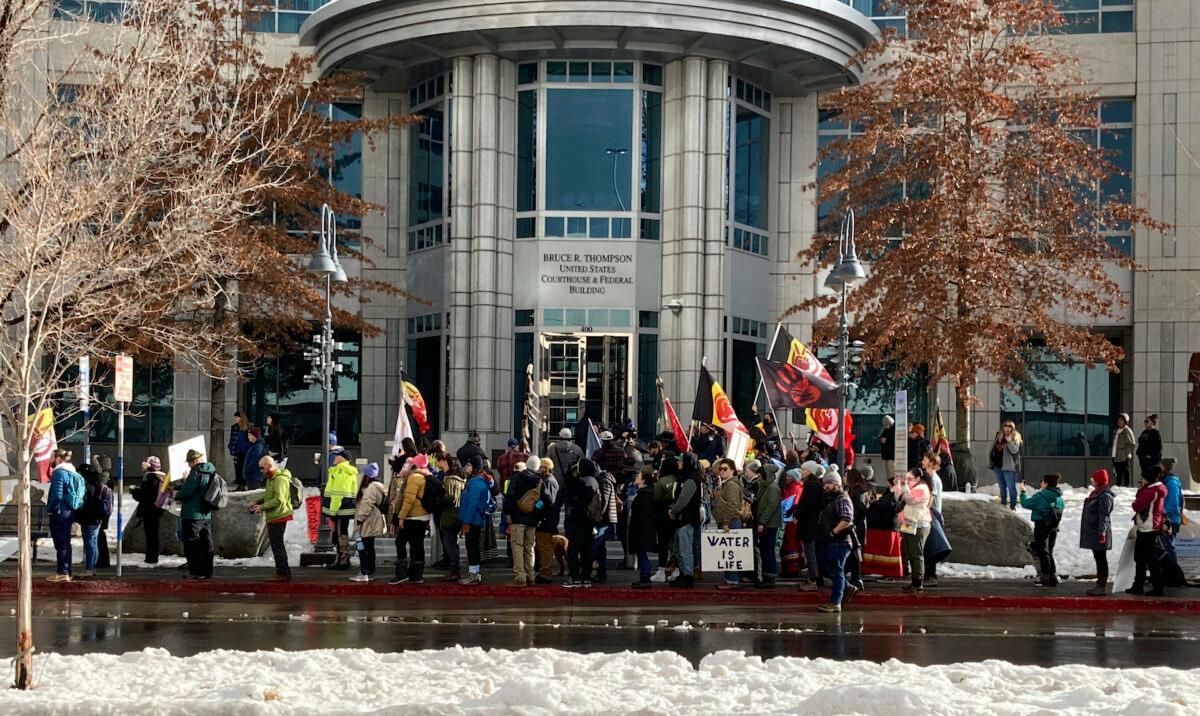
[[545, 681]]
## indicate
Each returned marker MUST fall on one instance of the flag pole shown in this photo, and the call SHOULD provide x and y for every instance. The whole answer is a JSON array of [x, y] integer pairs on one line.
[[778, 328]]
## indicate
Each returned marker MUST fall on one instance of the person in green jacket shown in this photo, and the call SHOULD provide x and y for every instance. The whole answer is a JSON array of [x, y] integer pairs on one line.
[[337, 503], [197, 523], [1046, 509], [768, 520], [276, 507]]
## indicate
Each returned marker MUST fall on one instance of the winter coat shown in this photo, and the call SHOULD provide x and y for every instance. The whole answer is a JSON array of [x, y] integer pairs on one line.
[[255, 452], [1149, 448], [642, 535], [340, 489], [476, 505], [835, 508], [858, 498], [276, 499], [277, 442], [565, 455], [686, 507], [552, 495], [454, 485], [917, 502], [808, 511], [369, 509], [767, 510], [239, 440], [727, 502], [1148, 506], [191, 493], [1173, 505], [506, 465], [146, 493], [608, 488], [610, 458], [881, 515], [1124, 445], [1042, 502], [1010, 456], [1095, 524], [55, 502], [887, 443], [467, 451], [917, 447], [709, 447], [520, 483], [410, 507], [97, 499]]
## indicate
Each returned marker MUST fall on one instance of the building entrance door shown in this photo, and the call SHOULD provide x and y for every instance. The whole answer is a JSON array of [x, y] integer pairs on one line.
[[585, 375]]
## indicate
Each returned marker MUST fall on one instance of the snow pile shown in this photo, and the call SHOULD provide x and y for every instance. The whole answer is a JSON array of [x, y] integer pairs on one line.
[[545, 681]]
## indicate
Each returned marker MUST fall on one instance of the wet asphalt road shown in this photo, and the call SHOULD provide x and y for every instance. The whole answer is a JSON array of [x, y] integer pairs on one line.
[[242, 622]]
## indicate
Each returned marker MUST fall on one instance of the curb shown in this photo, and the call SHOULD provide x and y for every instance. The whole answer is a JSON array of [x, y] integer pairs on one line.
[[600, 594]]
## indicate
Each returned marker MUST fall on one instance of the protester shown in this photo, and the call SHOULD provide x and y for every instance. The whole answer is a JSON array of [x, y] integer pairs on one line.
[[860, 500], [609, 457], [548, 518], [808, 517], [937, 547], [276, 507], [882, 548], [239, 445], [97, 506], [581, 487], [413, 519], [370, 508], [946, 472], [686, 511], [337, 503], [1095, 528], [792, 483], [471, 448], [564, 453], [1173, 575], [665, 492], [1148, 508], [1149, 445], [708, 443], [887, 445], [1123, 447], [197, 520], [1006, 462], [1046, 508], [836, 522], [918, 445], [606, 529], [768, 520], [916, 496], [277, 437], [514, 453], [250, 477], [727, 507], [146, 495], [523, 505], [449, 528], [642, 535], [475, 509]]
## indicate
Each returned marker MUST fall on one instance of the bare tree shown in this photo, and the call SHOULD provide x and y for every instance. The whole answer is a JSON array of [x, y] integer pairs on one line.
[[116, 221]]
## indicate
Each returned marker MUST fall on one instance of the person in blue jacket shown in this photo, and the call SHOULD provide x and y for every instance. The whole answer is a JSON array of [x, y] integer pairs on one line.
[[251, 476], [64, 497], [475, 508], [1173, 517], [1046, 509]]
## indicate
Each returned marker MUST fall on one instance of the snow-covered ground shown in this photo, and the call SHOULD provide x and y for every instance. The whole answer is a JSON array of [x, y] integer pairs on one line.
[[544, 681]]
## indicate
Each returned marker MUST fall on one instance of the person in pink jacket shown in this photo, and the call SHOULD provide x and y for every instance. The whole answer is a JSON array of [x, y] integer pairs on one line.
[[1148, 506], [915, 492]]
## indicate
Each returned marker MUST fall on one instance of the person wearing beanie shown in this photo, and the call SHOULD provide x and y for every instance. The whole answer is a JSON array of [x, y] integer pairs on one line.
[[413, 521], [370, 508], [1095, 528], [835, 525], [1124, 445], [251, 477], [1148, 519], [146, 494], [581, 486], [565, 454], [546, 533], [195, 517], [475, 509], [522, 523], [808, 514], [506, 464]]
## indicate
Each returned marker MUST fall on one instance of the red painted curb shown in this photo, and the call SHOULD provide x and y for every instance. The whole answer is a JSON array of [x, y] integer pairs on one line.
[[599, 594]]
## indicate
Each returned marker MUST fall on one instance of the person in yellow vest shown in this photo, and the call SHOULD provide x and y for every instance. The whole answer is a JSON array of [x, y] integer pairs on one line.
[[337, 503]]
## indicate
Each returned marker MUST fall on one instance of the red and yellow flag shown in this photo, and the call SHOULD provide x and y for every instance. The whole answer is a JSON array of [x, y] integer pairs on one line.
[[712, 406], [416, 401]]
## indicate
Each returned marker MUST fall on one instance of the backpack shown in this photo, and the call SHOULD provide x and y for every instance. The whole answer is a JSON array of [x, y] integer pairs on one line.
[[1053, 517], [74, 490], [597, 508], [296, 492], [528, 502], [216, 495], [433, 496]]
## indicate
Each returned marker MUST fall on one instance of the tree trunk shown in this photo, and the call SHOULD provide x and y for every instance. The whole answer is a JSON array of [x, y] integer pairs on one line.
[[24, 658], [962, 415], [217, 454]]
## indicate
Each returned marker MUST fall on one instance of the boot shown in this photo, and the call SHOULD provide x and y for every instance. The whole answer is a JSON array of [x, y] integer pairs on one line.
[[401, 572], [1101, 588], [416, 570], [343, 558], [767, 582], [452, 576]]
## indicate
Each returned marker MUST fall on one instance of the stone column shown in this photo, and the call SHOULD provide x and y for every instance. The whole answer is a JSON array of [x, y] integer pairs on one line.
[[459, 330], [716, 167]]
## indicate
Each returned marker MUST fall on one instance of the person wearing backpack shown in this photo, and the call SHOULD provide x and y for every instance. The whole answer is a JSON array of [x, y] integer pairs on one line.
[[547, 521], [414, 517], [1046, 509], [1149, 507], [146, 495], [337, 503], [523, 505], [475, 510], [685, 511], [196, 516], [276, 507], [63, 499], [96, 508], [584, 505]]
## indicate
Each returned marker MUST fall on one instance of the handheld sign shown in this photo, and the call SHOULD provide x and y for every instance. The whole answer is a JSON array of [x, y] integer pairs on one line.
[[722, 551]]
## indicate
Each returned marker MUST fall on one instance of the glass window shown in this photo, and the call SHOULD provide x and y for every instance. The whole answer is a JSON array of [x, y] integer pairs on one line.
[[346, 174], [750, 169], [588, 164], [148, 419], [576, 317], [647, 319], [421, 368], [622, 72], [652, 74], [743, 375], [651, 179], [618, 318], [1064, 410], [427, 168], [522, 357], [527, 150], [523, 317], [598, 227], [282, 16], [527, 73], [647, 399], [1091, 16], [552, 316]]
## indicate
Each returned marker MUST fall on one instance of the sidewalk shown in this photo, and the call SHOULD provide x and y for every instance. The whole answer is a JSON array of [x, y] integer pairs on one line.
[[956, 594]]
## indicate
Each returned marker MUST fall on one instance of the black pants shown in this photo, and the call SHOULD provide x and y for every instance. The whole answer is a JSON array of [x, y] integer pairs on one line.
[[1146, 558], [103, 560], [239, 461], [150, 521], [198, 547], [1101, 557], [410, 540], [473, 552], [665, 530], [1122, 470], [580, 552], [275, 532], [366, 559], [1044, 538]]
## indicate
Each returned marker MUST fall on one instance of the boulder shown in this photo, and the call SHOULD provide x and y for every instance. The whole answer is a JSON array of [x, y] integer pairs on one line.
[[237, 532], [983, 532]]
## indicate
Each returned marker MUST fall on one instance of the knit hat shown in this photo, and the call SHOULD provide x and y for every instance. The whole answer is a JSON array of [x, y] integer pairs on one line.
[[371, 470], [1168, 464], [519, 467], [1100, 477], [153, 463], [476, 461], [565, 434], [754, 466], [832, 477], [421, 461], [547, 463], [888, 421], [256, 432], [533, 463], [813, 467], [1124, 416]]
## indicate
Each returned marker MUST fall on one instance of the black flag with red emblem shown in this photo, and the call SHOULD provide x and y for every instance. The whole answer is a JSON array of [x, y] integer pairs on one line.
[[791, 388]]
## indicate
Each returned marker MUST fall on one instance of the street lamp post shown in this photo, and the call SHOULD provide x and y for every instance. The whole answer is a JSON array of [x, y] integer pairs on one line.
[[325, 262], [847, 272], [616, 152]]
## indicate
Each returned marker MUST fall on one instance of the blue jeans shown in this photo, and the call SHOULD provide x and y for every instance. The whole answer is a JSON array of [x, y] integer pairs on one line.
[[91, 550], [683, 549], [644, 570], [1007, 480], [833, 566], [60, 532], [766, 549], [600, 549], [732, 577]]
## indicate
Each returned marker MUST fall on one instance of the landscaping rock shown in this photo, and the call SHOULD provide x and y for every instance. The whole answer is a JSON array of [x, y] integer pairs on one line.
[[986, 533]]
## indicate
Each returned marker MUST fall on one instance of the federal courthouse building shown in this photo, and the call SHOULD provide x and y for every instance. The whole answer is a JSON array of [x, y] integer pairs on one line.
[[610, 192]]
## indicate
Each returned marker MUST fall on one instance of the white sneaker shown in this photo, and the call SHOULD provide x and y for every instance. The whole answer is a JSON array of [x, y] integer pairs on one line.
[[361, 578], [660, 576], [148, 565], [671, 577]]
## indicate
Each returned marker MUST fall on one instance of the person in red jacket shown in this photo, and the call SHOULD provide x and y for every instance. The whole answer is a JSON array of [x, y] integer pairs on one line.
[[1148, 507]]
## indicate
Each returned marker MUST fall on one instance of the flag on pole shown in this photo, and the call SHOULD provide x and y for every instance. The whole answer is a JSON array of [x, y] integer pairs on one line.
[[789, 387], [414, 399], [681, 440], [43, 441], [403, 427], [823, 420], [712, 405], [593, 439]]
